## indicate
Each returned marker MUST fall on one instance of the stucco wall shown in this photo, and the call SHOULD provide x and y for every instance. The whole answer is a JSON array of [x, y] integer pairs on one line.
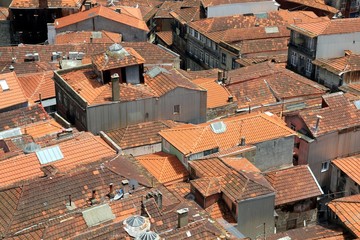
[[274, 153], [142, 150], [254, 213], [331, 46]]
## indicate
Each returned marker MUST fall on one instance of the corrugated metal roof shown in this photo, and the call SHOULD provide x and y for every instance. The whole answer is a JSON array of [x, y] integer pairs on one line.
[[97, 215], [49, 155]]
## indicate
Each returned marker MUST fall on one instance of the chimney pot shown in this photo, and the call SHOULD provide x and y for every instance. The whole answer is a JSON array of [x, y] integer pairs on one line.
[[115, 87], [111, 190], [242, 142], [220, 76], [182, 217], [93, 197], [230, 98], [11, 68], [317, 122]]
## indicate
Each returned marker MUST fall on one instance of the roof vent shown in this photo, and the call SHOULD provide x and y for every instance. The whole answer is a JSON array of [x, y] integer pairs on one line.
[[218, 127], [150, 235], [31, 147], [136, 225], [156, 71], [115, 47]]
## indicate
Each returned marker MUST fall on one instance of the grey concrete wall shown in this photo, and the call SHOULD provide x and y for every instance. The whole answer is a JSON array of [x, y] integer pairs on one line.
[[254, 213], [129, 34], [148, 149], [5, 37], [274, 153]]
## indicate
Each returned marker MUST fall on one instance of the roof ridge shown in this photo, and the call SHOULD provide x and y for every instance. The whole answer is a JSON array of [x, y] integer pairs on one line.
[[198, 140], [163, 158]]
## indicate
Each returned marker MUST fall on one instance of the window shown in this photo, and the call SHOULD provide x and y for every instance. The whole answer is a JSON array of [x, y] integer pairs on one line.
[[294, 58], [207, 58], [176, 109], [233, 63], [297, 145], [324, 166], [196, 34], [308, 65], [223, 58], [166, 146], [201, 55], [190, 48], [191, 32], [291, 224], [293, 127]]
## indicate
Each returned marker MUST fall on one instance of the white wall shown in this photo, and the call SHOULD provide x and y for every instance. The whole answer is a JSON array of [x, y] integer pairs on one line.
[[331, 46], [241, 8]]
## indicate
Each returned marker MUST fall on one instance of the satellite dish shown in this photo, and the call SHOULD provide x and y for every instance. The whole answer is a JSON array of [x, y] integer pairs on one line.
[[119, 194], [133, 184]]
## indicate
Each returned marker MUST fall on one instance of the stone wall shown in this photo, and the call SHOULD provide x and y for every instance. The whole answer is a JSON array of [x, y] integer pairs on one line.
[[212, 113]]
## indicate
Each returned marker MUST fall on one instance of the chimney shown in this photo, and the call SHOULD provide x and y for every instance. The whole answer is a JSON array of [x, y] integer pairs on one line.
[[220, 76], [111, 190], [91, 39], [242, 141], [43, 4], [93, 197], [69, 200], [230, 98], [158, 199], [182, 217], [317, 122], [115, 87]]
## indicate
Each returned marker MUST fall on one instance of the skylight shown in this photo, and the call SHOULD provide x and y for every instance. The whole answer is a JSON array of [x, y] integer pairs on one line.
[[357, 104], [218, 127], [156, 71], [271, 29], [4, 85], [50, 154], [99, 214]]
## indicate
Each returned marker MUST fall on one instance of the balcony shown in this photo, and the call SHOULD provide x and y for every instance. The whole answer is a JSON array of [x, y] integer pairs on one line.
[[301, 47]]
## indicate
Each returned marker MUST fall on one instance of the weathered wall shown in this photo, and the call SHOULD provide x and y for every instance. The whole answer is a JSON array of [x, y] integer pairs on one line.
[[254, 213], [212, 113], [129, 34], [309, 217], [241, 8], [5, 33], [142, 150], [274, 153]]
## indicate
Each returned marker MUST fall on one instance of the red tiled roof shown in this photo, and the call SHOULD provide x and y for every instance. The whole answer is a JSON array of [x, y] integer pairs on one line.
[[220, 210], [349, 166], [139, 134], [293, 184], [36, 84], [24, 167], [335, 26], [166, 168], [102, 12], [166, 37], [317, 4], [338, 66], [210, 3], [217, 94], [85, 36], [240, 164], [23, 116], [332, 118], [166, 8], [41, 129], [116, 59], [14, 95], [190, 139], [76, 4], [347, 210], [207, 186]]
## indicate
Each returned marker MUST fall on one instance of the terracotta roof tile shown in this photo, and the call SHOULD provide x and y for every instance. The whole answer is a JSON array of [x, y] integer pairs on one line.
[[203, 138], [39, 83], [209, 3], [220, 210], [22, 116], [347, 210], [187, 14], [268, 46], [310, 232], [85, 36], [166, 37], [4, 13], [217, 95], [116, 59], [102, 12], [41, 129], [139, 134], [24, 167], [340, 65], [207, 186], [166, 8], [9, 200], [240, 164], [293, 184], [213, 72], [336, 26], [332, 118], [266, 83], [349, 166], [14, 95], [50, 3], [317, 4], [208, 168], [234, 151], [166, 168]]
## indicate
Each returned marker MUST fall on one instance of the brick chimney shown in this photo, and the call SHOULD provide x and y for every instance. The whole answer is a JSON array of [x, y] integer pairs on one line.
[[183, 217], [115, 87]]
